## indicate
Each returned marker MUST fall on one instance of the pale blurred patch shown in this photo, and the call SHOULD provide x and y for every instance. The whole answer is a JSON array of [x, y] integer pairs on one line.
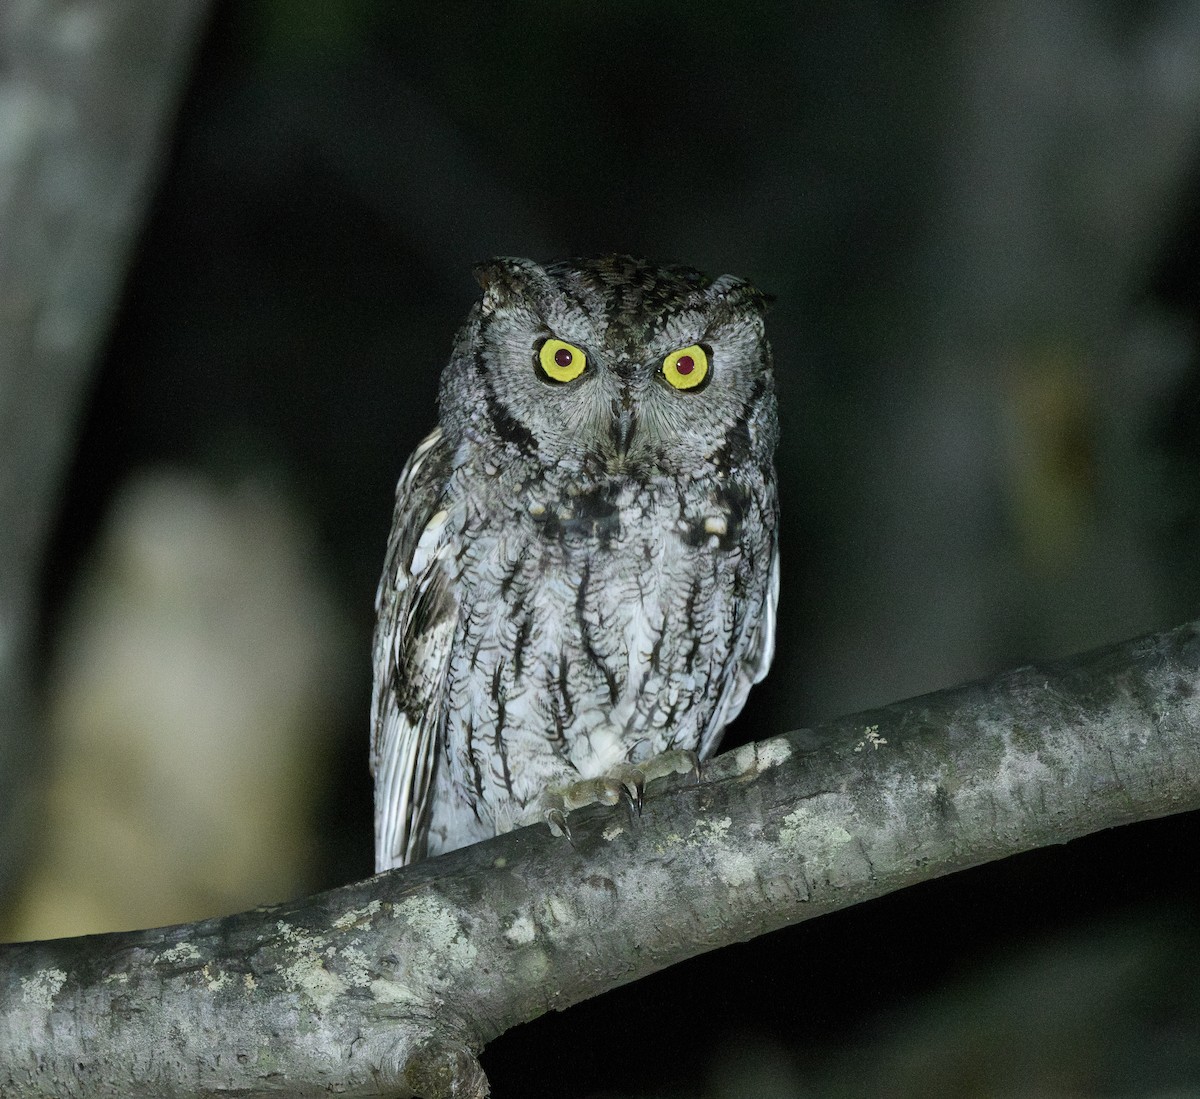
[[749, 1065], [201, 662], [1051, 460]]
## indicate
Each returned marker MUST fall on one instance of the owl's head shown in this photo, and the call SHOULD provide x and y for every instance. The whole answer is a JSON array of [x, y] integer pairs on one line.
[[595, 367]]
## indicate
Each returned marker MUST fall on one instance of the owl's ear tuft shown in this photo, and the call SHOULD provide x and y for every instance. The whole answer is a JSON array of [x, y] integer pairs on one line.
[[737, 293], [506, 279]]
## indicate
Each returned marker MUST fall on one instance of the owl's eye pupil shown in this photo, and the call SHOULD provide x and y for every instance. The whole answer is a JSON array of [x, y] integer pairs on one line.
[[563, 356], [685, 364]]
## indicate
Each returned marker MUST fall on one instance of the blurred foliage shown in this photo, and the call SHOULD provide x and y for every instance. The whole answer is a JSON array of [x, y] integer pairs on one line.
[[308, 32]]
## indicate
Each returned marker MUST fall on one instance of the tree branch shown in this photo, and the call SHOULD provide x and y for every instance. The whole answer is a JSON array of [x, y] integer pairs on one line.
[[388, 986]]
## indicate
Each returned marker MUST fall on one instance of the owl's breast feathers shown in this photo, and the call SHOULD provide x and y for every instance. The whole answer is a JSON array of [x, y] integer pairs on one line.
[[524, 633], [616, 607], [593, 515]]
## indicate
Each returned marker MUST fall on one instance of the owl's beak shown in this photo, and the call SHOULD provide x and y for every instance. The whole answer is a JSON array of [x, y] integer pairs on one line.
[[623, 426]]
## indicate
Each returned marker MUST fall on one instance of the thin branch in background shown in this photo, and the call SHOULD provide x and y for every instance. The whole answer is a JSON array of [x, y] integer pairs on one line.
[[88, 92]]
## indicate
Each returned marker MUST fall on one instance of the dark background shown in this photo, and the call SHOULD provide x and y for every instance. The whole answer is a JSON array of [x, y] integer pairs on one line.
[[980, 226]]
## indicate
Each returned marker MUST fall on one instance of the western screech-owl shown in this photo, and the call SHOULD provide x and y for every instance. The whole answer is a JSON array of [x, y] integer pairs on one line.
[[582, 571]]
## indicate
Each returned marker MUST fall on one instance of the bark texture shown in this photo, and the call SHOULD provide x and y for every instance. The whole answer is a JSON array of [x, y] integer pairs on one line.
[[389, 986]]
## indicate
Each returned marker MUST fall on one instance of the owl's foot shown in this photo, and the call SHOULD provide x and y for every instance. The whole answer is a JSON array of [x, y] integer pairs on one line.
[[674, 761], [625, 780]]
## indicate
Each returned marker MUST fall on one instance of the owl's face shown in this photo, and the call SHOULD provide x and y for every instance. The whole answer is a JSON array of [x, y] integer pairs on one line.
[[612, 366]]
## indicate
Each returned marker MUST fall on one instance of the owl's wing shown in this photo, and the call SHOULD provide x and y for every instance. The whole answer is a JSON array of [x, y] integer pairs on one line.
[[752, 667], [416, 617]]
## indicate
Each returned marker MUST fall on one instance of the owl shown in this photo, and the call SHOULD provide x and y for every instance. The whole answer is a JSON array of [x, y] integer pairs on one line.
[[582, 574]]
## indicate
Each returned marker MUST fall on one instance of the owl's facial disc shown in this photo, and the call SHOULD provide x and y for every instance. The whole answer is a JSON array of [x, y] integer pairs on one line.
[[588, 374]]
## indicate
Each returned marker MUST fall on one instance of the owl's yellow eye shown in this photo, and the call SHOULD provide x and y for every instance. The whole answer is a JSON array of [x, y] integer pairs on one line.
[[561, 361], [687, 367]]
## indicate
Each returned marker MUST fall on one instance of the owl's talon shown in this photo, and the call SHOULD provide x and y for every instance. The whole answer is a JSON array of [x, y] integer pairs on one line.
[[624, 783], [556, 820], [633, 784]]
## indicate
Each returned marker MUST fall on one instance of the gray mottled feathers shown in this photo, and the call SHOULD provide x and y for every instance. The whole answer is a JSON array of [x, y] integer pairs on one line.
[[583, 567], [416, 613]]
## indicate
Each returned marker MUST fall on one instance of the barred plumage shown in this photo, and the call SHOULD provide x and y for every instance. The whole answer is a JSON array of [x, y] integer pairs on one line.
[[583, 567]]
